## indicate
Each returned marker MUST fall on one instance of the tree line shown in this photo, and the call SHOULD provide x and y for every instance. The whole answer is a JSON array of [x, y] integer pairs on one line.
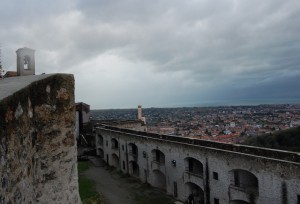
[[285, 140]]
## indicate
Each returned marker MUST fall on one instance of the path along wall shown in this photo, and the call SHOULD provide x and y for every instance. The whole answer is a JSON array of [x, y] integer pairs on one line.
[[213, 172], [38, 154]]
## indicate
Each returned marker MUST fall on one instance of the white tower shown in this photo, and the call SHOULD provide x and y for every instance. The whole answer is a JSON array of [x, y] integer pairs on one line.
[[25, 61], [139, 117]]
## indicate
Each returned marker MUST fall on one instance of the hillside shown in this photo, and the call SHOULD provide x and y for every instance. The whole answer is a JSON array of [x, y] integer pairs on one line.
[[284, 140]]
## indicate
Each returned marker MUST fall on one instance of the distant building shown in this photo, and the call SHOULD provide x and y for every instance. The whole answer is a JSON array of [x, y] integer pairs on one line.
[[232, 124], [25, 63], [227, 132], [137, 125], [83, 110], [140, 116], [83, 126], [10, 74]]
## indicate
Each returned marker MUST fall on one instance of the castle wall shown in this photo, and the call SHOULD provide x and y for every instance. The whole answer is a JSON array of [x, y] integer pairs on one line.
[[38, 148], [260, 179]]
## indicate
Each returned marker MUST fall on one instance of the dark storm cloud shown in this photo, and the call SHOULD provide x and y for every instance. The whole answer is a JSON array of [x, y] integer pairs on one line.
[[191, 48], [210, 39]]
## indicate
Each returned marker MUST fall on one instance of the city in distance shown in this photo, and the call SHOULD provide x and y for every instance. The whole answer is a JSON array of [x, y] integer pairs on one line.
[[229, 124]]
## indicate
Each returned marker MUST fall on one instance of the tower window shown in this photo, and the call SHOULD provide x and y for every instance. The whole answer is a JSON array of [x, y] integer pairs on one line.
[[216, 201]]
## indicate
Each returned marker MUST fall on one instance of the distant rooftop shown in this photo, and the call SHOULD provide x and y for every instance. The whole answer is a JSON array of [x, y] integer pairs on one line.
[[10, 74], [81, 103], [9, 86]]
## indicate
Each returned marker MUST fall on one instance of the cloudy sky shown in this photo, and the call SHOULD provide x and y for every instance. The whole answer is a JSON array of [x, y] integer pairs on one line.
[[163, 52]]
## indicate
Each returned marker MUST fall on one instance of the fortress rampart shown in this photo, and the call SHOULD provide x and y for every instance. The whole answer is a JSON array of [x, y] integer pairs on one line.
[[212, 172], [38, 154]]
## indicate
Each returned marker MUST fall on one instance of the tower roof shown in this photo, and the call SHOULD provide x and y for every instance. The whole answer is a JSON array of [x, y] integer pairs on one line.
[[25, 48]]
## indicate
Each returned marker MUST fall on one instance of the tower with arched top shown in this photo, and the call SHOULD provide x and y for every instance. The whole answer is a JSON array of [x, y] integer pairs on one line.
[[25, 61]]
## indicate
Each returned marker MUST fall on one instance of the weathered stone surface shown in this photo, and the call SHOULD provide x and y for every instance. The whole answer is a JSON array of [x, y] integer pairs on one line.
[[37, 142]]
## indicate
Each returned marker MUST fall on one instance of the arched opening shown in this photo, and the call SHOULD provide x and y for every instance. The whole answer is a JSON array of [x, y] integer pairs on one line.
[[114, 143], [133, 150], [159, 180], [100, 153], [193, 166], [158, 156], [194, 193], [238, 202], [134, 169], [26, 62], [100, 140], [244, 180], [115, 161]]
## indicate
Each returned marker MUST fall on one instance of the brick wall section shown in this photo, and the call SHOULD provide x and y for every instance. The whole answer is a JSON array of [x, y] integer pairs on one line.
[[37, 143]]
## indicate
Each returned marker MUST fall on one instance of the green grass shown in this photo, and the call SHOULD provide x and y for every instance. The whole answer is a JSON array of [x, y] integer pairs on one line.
[[143, 199], [97, 199], [87, 188], [83, 166]]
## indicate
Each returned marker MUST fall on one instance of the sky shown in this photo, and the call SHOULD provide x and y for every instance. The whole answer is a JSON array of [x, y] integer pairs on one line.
[[161, 53]]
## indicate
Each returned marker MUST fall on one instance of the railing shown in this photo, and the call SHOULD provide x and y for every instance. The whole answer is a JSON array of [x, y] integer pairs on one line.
[[264, 152], [247, 188], [115, 147], [158, 165], [131, 152], [191, 173], [160, 161], [194, 177]]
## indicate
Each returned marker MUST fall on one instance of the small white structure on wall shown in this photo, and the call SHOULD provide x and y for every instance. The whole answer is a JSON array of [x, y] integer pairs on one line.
[[25, 61]]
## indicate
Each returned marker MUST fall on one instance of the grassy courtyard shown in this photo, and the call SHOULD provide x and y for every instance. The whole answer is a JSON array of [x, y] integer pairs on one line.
[[87, 187], [123, 186]]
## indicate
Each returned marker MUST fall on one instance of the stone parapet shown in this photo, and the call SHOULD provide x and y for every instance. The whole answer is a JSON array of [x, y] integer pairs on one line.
[[38, 146], [243, 149]]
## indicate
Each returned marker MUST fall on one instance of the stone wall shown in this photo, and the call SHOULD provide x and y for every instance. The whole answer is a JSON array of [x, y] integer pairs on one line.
[[262, 178], [38, 154]]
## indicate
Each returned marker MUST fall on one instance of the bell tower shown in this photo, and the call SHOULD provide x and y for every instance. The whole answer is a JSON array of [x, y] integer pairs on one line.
[[25, 61]]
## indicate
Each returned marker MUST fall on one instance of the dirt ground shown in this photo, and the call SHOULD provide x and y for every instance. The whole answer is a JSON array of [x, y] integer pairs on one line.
[[118, 188]]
